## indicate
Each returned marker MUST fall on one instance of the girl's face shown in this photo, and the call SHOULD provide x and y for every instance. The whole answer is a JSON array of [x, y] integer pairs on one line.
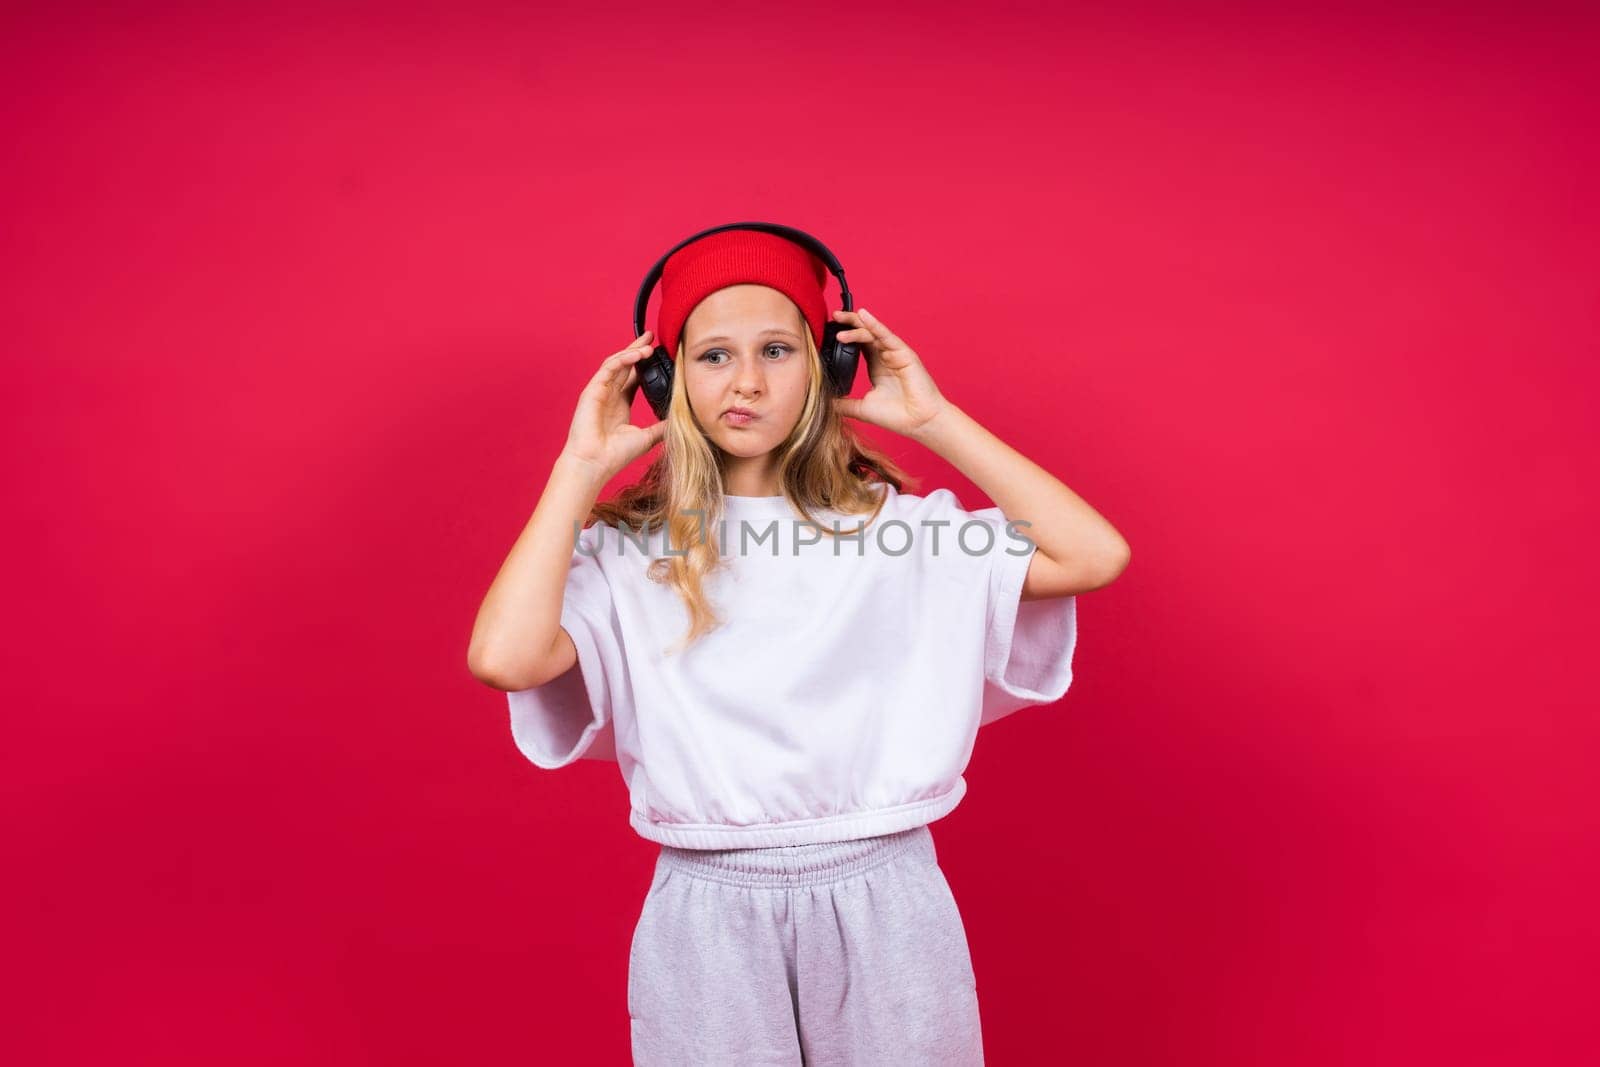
[[744, 348]]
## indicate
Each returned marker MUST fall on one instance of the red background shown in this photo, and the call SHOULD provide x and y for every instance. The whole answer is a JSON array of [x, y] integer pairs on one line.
[[300, 301]]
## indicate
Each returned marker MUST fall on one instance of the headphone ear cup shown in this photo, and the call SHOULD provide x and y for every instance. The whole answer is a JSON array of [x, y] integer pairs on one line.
[[655, 379], [839, 359]]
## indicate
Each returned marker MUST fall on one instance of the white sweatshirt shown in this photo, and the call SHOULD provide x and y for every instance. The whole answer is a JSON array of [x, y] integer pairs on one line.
[[841, 696]]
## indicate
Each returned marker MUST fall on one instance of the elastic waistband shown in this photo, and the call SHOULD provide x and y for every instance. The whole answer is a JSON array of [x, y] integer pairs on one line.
[[797, 865]]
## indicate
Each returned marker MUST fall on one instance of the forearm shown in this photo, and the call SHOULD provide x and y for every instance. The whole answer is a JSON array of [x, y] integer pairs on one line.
[[520, 616], [1066, 529]]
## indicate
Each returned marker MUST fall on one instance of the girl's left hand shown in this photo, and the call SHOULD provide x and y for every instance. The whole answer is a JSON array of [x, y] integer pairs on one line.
[[903, 397]]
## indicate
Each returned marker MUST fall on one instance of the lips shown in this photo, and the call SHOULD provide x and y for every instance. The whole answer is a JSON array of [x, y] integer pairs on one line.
[[739, 416]]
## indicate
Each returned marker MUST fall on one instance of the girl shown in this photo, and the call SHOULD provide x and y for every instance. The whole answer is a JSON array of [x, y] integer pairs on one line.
[[788, 657]]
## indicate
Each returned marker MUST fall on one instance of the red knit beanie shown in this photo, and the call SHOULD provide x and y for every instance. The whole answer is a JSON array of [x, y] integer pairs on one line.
[[734, 257]]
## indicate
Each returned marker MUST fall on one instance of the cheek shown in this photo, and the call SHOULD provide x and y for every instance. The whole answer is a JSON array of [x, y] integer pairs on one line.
[[697, 391], [795, 386]]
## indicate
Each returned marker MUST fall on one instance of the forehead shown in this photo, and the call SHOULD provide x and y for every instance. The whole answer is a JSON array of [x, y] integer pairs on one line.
[[746, 308]]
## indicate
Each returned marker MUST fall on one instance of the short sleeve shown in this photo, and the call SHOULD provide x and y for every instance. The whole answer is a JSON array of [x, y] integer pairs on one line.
[[570, 717], [1027, 658]]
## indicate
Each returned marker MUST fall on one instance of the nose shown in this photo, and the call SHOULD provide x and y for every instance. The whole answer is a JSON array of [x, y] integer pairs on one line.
[[750, 379]]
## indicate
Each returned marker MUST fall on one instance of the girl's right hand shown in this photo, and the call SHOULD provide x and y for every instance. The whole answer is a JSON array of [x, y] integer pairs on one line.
[[602, 436]]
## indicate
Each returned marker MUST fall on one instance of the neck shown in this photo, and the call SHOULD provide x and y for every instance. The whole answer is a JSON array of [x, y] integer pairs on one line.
[[753, 476]]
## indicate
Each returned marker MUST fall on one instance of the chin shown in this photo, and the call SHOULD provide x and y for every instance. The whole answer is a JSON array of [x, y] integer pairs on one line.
[[744, 447]]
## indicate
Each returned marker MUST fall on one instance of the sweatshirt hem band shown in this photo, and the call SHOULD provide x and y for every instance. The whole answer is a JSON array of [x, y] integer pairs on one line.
[[845, 827]]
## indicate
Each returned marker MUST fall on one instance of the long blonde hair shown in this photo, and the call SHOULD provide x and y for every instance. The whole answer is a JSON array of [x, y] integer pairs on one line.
[[821, 465]]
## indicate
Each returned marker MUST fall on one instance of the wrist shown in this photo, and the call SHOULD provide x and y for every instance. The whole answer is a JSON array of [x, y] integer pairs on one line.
[[581, 472], [937, 425]]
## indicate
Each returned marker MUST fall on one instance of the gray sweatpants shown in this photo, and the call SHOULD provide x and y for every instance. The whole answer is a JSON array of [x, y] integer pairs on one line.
[[848, 952]]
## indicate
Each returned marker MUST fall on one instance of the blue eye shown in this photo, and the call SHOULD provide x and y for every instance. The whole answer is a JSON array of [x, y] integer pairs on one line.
[[708, 353]]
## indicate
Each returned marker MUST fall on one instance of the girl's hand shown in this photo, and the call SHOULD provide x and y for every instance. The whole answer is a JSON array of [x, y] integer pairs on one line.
[[903, 397], [602, 437]]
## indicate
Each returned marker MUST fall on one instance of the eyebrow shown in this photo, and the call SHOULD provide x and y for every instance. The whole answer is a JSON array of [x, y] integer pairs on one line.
[[763, 333]]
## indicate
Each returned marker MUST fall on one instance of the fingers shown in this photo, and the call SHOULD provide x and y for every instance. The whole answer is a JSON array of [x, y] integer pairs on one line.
[[643, 345], [608, 372], [866, 328]]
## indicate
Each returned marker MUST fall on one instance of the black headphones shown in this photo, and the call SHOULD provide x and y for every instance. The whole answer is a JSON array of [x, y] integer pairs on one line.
[[839, 361]]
